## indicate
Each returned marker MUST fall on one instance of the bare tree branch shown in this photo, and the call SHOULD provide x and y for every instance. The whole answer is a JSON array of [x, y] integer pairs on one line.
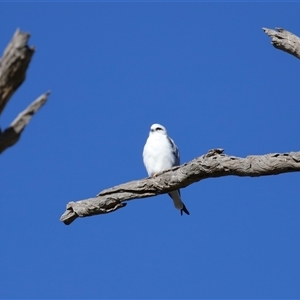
[[211, 165], [13, 66], [12, 134], [284, 40]]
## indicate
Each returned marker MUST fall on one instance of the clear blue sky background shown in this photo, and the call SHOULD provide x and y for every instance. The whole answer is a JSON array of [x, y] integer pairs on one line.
[[209, 74]]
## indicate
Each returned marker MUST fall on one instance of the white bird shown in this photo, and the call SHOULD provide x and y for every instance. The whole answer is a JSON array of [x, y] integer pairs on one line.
[[160, 153]]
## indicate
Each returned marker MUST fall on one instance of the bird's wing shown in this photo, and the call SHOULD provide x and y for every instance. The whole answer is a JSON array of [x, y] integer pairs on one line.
[[146, 158], [175, 152]]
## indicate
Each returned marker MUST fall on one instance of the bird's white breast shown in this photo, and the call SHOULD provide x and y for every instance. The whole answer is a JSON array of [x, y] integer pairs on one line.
[[158, 155]]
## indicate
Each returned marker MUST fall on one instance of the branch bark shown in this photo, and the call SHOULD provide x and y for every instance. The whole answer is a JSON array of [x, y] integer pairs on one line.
[[12, 134], [284, 40], [13, 67], [211, 165]]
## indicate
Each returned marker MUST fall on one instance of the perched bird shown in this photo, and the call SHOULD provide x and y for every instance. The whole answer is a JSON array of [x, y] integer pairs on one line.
[[160, 153]]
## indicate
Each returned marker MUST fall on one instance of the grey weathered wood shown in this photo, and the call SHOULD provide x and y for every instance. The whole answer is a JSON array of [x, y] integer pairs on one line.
[[211, 165], [12, 134], [13, 66], [284, 40]]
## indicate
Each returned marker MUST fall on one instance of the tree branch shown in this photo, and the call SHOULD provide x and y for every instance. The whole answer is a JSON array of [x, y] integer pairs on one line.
[[12, 134], [284, 40], [211, 165], [13, 66]]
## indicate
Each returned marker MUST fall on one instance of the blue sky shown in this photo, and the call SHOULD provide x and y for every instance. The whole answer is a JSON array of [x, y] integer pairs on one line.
[[209, 74]]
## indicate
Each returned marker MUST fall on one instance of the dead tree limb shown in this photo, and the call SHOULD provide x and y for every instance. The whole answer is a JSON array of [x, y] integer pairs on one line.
[[284, 40], [211, 165], [12, 134], [13, 67]]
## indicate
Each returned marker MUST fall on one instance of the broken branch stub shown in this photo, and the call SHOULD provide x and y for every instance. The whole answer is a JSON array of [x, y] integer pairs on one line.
[[13, 66]]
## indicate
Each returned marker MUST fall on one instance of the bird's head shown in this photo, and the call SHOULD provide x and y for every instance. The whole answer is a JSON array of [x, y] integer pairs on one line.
[[157, 128]]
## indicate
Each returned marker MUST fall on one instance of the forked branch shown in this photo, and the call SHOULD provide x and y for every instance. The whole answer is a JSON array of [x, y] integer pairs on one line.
[[13, 67]]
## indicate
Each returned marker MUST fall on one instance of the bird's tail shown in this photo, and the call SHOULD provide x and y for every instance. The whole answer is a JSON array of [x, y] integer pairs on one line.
[[184, 209], [175, 195]]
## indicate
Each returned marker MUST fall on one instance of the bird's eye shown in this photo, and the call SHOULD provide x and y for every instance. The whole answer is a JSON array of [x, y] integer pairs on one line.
[[158, 128]]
